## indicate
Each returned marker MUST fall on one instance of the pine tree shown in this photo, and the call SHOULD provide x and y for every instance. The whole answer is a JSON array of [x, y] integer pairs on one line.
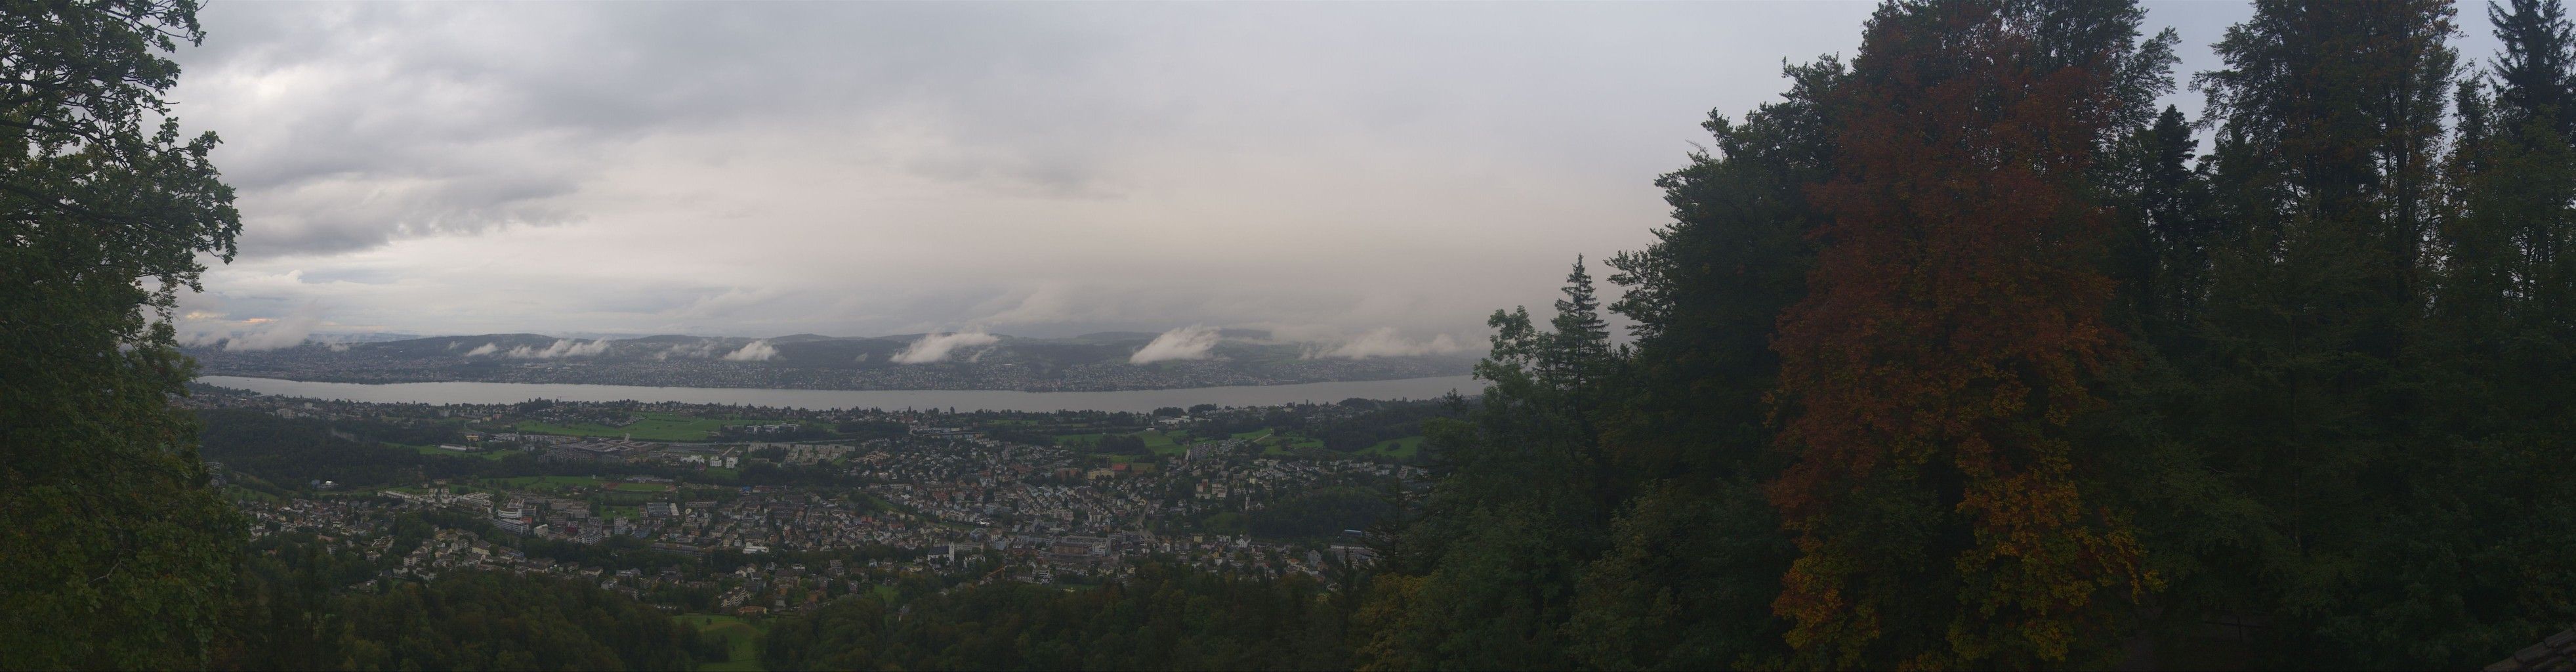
[[1581, 344], [2533, 74], [2175, 201], [1696, 552], [2329, 119], [1484, 577]]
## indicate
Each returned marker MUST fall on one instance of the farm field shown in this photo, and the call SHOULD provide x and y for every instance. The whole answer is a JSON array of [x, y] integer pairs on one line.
[[1404, 448], [435, 450], [549, 482], [643, 487], [1287, 444], [1161, 443], [649, 427], [742, 640]]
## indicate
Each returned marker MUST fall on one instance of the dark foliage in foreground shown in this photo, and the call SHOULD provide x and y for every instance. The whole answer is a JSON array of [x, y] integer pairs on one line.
[[1163, 618], [293, 610]]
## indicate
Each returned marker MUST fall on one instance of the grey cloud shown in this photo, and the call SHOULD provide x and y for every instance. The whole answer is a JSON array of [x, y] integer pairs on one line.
[[200, 328], [562, 347], [350, 126], [752, 169], [699, 350], [755, 351], [1386, 342], [1190, 342], [933, 348], [286, 333], [356, 212]]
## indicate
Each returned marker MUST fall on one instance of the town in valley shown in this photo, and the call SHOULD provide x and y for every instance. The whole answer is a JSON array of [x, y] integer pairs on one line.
[[745, 511]]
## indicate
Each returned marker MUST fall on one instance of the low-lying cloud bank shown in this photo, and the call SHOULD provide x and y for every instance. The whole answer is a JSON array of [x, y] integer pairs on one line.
[[1191, 342], [274, 334], [255, 334], [1385, 342], [562, 347], [698, 350], [755, 351], [938, 347]]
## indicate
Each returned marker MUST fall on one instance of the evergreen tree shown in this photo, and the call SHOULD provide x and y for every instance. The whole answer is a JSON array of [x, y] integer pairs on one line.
[[2329, 117], [2533, 73], [1696, 553], [2174, 202], [2520, 175], [1484, 576], [1581, 338]]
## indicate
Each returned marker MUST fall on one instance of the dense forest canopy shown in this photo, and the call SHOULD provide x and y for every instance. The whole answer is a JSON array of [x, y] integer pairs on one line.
[[1961, 354], [1958, 356]]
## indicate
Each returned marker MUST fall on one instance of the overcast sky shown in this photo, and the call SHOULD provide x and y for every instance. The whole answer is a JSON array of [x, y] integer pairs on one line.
[[750, 169]]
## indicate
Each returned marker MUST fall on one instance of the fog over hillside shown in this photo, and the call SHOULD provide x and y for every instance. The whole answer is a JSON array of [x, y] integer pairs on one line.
[[1195, 356]]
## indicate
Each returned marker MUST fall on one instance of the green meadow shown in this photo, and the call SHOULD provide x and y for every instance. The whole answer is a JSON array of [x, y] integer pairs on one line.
[[742, 640], [648, 427]]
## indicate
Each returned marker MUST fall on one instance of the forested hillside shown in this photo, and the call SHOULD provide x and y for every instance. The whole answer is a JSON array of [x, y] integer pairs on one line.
[[1958, 356], [1162, 618], [291, 611]]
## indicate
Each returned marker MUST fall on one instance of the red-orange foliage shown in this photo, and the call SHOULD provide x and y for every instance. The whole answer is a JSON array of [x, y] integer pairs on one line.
[[1954, 314]]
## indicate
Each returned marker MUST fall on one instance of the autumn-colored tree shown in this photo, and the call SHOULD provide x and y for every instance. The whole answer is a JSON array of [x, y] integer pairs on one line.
[[1955, 314]]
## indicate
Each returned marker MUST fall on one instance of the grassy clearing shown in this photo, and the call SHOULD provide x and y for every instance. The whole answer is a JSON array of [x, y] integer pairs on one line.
[[435, 450], [1167, 444], [549, 482], [643, 487], [647, 427], [1402, 449], [742, 640], [1262, 434], [1288, 444]]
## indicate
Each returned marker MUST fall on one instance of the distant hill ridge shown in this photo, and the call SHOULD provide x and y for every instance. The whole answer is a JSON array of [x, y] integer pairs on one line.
[[1094, 361]]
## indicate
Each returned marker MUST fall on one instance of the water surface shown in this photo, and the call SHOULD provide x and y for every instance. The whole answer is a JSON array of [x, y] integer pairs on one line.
[[963, 400]]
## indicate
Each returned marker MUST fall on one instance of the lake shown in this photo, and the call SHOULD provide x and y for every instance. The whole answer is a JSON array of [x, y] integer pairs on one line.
[[963, 400]]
